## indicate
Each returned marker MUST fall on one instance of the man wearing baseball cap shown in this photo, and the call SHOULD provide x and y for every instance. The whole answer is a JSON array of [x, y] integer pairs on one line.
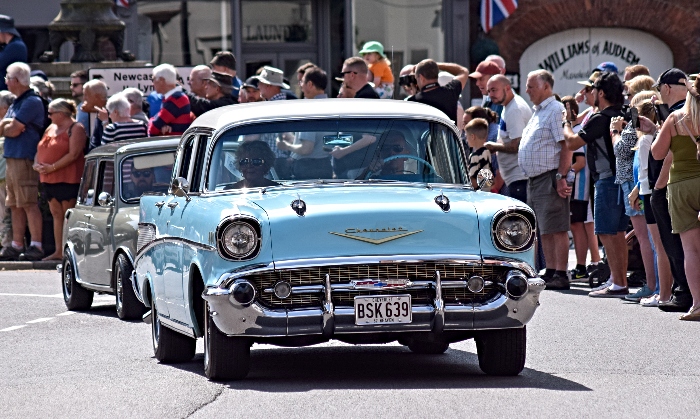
[[12, 48], [217, 93]]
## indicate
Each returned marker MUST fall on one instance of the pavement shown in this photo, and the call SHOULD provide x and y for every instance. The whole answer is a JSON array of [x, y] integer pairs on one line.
[[24, 266], [586, 358]]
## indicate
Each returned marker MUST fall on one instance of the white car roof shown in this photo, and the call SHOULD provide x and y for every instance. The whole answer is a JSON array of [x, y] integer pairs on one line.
[[319, 108]]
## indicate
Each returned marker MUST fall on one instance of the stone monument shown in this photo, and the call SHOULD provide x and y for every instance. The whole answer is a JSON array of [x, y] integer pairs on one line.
[[85, 23]]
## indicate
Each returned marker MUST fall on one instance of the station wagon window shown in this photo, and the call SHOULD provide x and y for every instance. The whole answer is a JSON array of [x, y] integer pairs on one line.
[[146, 173], [86, 195], [105, 182], [363, 149]]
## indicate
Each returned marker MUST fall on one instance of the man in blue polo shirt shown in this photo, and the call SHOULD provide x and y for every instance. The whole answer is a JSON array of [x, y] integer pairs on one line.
[[22, 128], [12, 48]]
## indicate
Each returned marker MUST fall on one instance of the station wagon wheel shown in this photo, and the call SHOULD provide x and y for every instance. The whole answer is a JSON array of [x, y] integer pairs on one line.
[[225, 358], [128, 305], [169, 346], [76, 297], [501, 352]]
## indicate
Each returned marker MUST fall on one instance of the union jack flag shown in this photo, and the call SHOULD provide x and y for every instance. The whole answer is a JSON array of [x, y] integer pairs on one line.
[[494, 11], [122, 3]]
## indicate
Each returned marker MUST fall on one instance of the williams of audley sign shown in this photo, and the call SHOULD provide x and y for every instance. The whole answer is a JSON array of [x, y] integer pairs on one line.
[[572, 55]]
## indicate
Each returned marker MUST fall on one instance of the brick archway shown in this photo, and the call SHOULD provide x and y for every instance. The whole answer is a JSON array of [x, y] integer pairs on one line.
[[675, 23]]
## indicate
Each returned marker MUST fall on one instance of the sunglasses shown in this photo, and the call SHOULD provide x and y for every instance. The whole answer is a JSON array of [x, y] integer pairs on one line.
[[252, 162], [141, 173], [396, 148], [348, 72], [76, 84]]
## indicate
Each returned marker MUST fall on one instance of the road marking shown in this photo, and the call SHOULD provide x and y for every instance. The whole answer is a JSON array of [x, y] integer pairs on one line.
[[66, 313], [11, 328], [31, 295], [39, 320]]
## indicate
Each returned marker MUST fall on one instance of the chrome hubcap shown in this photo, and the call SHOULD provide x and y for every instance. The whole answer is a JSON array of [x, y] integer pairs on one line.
[[67, 279]]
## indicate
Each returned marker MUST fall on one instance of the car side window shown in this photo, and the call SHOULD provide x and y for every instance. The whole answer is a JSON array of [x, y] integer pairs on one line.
[[196, 179], [86, 194], [105, 181], [186, 158]]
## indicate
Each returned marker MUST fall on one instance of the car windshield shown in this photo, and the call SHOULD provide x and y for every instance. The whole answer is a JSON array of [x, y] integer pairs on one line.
[[146, 173], [336, 149]]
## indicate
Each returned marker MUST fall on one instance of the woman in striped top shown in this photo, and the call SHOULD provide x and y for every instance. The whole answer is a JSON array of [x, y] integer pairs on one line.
[[122, 126]]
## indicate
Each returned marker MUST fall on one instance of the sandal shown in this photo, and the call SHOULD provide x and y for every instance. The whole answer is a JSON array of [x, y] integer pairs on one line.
[[693, 315]]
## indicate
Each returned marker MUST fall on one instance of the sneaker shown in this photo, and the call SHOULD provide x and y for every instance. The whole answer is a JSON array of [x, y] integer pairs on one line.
[[652, 301], [641, 293], [32, 254], [600, 273], [608, 293], [578, 273], [603, 286], [679, 304], [557, 282], [10, 253]]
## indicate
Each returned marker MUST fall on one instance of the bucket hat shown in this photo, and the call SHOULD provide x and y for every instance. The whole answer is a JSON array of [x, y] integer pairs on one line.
[[372, 46], [7, 24], [273, 76]]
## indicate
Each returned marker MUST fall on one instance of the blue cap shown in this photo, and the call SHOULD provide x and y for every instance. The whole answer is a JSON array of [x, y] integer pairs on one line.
[[607, 66]]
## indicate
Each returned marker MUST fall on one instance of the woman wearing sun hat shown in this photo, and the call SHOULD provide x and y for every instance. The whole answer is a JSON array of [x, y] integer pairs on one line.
[[380, 69]]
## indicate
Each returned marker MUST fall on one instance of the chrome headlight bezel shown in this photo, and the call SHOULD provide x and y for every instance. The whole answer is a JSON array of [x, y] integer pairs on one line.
[[514, 214], [226, 251]]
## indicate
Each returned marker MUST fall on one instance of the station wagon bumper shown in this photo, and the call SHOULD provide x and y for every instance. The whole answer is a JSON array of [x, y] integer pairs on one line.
[[500, 310]]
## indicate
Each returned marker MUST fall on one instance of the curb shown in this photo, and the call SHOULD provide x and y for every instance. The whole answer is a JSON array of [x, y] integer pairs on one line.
[[24, 266]]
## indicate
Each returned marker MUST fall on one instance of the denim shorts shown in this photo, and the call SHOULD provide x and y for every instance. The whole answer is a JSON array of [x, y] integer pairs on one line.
[[609, 212], [626, 190]]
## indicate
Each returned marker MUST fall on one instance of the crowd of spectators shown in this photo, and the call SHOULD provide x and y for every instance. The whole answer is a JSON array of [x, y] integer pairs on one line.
[[628, 161]]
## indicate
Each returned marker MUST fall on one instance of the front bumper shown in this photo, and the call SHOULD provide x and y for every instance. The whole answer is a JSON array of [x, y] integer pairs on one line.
[[255, 320]]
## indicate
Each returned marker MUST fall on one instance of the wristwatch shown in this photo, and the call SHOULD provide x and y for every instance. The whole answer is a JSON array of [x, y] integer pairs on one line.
[[615, 132], [565, 123], [559, 176]]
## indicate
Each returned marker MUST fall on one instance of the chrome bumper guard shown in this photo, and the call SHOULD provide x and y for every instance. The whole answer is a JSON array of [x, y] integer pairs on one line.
[[503, 311]]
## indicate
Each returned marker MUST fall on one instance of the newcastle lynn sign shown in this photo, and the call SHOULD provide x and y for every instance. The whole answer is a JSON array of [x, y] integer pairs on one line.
[[572, 55], [118, 79]]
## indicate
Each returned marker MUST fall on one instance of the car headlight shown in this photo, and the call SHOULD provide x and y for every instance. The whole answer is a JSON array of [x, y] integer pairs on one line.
[[513, 230], [239, 239]]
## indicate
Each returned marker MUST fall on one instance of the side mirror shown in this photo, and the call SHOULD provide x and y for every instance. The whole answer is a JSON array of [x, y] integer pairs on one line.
[[104, 199], [484, 179], [181, 187]]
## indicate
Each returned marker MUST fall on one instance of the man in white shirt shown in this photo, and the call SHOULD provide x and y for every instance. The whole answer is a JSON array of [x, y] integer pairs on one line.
[[514, 117]]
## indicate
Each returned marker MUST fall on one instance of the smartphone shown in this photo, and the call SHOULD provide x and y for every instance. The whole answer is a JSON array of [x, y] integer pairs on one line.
[[662, 112], [634, 119]]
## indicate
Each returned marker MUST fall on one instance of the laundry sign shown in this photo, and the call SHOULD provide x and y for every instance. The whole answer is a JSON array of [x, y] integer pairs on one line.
[[572, 55]]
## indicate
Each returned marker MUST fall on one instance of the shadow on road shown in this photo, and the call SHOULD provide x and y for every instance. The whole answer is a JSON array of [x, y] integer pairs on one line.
[[282, 370]]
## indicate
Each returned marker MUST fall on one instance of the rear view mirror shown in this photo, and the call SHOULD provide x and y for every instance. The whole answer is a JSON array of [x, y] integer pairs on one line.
[[341, 140]]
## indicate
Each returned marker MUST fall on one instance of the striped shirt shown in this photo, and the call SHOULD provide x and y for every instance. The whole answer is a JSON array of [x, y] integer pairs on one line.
[[479, 159], [175, 112], [582, 186], [543, 136], [118, 131]]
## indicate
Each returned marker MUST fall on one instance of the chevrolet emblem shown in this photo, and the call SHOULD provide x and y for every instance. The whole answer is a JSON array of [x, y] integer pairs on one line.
[[350, 234]]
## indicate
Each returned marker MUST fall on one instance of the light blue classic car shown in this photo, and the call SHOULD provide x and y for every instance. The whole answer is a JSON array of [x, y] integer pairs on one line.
[[369, 231]]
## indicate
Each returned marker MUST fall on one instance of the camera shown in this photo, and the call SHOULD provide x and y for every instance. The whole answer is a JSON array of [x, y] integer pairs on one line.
[[407, 80]]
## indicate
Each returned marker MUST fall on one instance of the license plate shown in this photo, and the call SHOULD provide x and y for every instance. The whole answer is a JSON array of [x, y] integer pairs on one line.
[[383, 309]]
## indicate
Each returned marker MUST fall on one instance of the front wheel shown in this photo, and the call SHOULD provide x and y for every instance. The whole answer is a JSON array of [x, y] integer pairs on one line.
[[76, 297], [501, 352], [128, 305], [225, 358], [169, 346]]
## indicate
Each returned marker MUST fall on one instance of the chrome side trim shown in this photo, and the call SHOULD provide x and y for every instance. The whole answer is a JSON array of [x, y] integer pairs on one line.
[[176, 326], [177, 240]]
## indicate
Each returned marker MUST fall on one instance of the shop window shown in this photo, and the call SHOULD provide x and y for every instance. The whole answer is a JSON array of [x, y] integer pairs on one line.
[[277, 21]]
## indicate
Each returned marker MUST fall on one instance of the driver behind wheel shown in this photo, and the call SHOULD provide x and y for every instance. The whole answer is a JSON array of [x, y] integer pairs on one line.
[[395, 144]]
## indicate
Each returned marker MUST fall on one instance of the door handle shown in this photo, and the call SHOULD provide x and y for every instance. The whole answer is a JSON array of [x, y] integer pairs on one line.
[[172, 205], [160, 204]]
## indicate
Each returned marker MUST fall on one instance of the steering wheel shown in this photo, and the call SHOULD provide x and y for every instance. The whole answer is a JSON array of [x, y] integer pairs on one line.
[[405, 156]]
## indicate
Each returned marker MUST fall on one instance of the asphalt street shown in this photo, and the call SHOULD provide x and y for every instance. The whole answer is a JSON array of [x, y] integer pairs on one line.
[[586, 358]]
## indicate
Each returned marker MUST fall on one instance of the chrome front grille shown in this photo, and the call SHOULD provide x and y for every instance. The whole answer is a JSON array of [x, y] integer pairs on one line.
[[346, 273]]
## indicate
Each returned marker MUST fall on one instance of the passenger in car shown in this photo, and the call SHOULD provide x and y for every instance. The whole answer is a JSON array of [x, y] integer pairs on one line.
[[254, 159]]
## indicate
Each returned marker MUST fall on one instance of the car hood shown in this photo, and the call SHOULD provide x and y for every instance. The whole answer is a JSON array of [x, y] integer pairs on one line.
[[344, 221]]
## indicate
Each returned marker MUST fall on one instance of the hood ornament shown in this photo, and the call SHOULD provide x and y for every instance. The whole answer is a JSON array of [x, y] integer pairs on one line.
[[442, 202], [299, 206]]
